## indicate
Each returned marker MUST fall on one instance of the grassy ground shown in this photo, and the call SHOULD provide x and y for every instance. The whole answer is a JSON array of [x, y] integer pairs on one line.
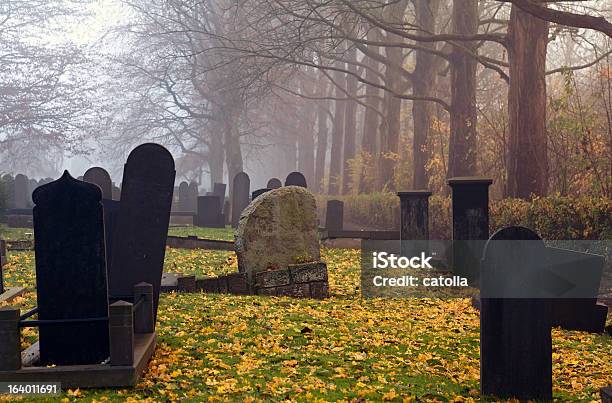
[[232, 348]]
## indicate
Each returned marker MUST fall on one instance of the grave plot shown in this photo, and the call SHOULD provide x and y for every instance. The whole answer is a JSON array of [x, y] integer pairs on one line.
[[84, 341], [7, 294]]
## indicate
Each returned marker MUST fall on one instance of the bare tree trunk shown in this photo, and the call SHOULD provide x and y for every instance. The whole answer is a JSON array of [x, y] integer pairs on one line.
[[424, 78], [335, 164], [216, 159], [321, 146], [527, 154], [350, 121], [306, 152], [233, 151], [463, 114]]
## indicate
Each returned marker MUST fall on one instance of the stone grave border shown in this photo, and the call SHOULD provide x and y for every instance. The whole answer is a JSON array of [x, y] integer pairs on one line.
[[7, 294]]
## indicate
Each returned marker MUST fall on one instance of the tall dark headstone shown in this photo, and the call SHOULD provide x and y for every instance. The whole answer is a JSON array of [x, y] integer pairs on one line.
[[414, 215], [183, 196], [274, 183], [515, 333], [20, 192], [470, 198], [71, 272], [334, 215], [209, 212], [296, 179], [240, 197], [100, 177], [139, 245], [193, 197], [258, 193]]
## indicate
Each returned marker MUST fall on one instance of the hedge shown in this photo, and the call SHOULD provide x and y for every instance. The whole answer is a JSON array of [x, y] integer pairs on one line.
[[552, 217]]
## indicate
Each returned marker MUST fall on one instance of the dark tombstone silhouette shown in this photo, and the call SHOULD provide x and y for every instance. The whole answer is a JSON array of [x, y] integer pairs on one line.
[[139, 244], [515, 333], [258, 193], [296, 179], [414, 222], [183, 196], [32, 185], [470, 198], [219, 190], [20, 192], [71, 272], [116, 192], [100, 177], [240, 196], [193, 197], [209, 212], [334, 215], [274, 183]]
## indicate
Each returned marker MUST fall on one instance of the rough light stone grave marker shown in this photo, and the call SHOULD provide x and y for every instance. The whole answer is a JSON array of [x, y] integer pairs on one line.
[[296, 179], [277, 229], [515, 333], [139, 245], [240, 197], [71, 272]]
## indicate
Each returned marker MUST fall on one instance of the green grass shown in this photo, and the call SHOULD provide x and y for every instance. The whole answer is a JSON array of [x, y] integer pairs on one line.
[[245, 348]]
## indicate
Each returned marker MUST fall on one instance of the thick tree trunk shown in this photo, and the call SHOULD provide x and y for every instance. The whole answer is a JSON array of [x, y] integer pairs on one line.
[[424, 79], [350, 121], [527, 153], [335, 163], [463, 114]]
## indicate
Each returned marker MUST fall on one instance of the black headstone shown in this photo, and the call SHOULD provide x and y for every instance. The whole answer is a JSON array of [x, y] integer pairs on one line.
[[258, 193], [334, 215], [209, 212], [274, 183], [100, 177], [139, 245], [193, 197], [515, 333], [240, 197], [21, 191], [296, 179], [71, 272], [470, 198], [183, 196], [219, 190]]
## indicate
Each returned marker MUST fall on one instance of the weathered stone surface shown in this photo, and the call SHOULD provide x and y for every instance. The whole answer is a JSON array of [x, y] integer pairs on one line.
[[71, 272], [237, 284], [319, 290], [308, 272], [208, 285], [277, 229], [100, 177], [293, 290], [273, 278]]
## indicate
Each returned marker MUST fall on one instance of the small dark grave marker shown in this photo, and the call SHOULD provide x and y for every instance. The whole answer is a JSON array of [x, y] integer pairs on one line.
[[258, 193], [470, 197], [193, 197], [240, 196], [219, 190], [71, 272], [139, 245], [21, 191], [414, 222], [334, 215], [100, 177], [209, 212], [183, 196], [274, 183], [296, 179], [515, 333]]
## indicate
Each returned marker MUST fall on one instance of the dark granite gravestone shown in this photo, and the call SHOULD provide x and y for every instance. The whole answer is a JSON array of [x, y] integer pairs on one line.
[[193, 197], [274, 183], [183, 196], [240, 196], [334, 215], [9, 188], [20, 191], [139, 245], [71, 272], [32, 185], [515, 333], [414, 215], [219, 190], [209, 212], [470, 196], [100, 177], [258, 193], [296, 179]]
